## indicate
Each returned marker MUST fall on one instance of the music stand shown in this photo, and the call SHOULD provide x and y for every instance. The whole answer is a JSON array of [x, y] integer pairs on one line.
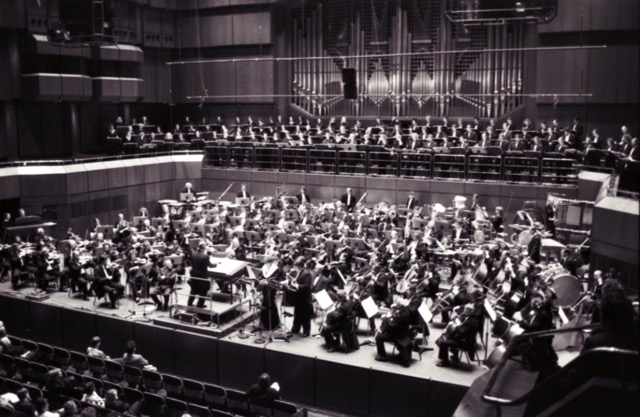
[[159, 222], [243, 201], [197, 228], [144, 300], [137, 220], [187, 197]]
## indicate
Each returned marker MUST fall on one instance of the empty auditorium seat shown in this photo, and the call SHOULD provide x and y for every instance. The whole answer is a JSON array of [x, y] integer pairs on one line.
[[286, 409], [175, 408], [193, 391], [215, 396], [152, 380], [238, 402], [200, 411], [133, 376], [114, 371], [153, 404], [96, 366], [173, 385], [79, 361]]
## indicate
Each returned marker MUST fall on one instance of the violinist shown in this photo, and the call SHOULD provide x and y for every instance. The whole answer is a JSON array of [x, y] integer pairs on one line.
[[164, 284], [107, 282], [77, 275], [395, 328], [45, 272], [460, 334], [457, 296]]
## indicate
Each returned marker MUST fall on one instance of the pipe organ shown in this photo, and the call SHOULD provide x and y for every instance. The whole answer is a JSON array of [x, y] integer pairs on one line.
[[411, 60]]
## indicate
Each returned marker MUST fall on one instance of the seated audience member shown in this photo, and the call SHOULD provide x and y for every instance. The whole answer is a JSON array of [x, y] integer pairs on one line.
[[69, 409], [90, 395], [24, 404], [112, 402], [5, 342], [94, 348], [88, 412], [131, 358], [264, 391], [42, 408]]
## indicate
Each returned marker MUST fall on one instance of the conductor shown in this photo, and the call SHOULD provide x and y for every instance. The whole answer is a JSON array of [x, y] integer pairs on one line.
[[199, 281]]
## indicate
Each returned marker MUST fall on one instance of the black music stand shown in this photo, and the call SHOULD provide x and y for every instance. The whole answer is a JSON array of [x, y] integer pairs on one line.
[[144, 270]]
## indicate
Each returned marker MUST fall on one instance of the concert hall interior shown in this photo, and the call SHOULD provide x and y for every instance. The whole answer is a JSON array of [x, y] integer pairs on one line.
[[324, 208]]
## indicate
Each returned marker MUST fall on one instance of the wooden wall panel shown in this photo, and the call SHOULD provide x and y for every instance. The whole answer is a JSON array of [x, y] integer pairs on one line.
[[30, 144], [252, 28], [163, 77], [216, 30], [149, 86], [186, 32], [220, 79], [255, 78]]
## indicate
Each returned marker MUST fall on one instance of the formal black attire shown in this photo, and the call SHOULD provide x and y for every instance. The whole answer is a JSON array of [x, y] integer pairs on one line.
[[461, 337], [306, 197], [269, 317], [303, 307], [396, 329], [166, 280], [262, 395], [200, 264], [533, 249], [412, 203], [349, 201], [108, 284], [341, 323]]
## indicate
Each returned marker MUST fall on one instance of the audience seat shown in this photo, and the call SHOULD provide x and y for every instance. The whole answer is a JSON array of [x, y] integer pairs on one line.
[[79, 361], [173, 385], [153, 404], [215, 396], [193, 391], [200, 411], [97, 382], [132, 395], [96, 366], [152, 380], [133, 376], [238, 402], [114, 371], [286, 409], [175, 408], [39, 373], [23, 368], [61, 358]]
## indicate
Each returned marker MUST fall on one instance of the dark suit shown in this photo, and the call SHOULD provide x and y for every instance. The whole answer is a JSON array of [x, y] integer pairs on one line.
[[462, 337], [262, 396], [108, 285], [349, 201], [199, 269], [534, 248], [243, 195], [306, 197], [303, 308], [412, 203]]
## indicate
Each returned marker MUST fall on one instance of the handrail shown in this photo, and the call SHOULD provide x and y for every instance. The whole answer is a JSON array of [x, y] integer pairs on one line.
[[103, 158], [498, 401]]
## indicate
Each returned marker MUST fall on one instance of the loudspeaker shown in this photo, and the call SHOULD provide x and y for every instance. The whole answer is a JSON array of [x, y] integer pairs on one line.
[[349, 84], [350, 91], [348, 75]]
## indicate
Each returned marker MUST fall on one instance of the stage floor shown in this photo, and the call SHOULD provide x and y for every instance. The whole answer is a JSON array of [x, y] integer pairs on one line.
[[462, 374]]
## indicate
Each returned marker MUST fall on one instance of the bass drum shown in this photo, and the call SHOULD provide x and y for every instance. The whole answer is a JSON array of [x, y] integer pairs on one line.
[[566, 288]]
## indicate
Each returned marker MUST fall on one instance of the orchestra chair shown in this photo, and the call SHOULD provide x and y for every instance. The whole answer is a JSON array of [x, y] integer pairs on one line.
[[286, 409]]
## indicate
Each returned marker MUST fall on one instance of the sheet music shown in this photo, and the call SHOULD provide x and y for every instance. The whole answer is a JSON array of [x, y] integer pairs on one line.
[[425, 312], [323, 299], [252, 274], [370, 307], [490, 311]]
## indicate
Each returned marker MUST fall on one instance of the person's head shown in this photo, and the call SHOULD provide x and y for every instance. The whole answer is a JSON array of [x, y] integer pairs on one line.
[[264, 381], [70, 408], [131, 347], [111, 395], [21, 212], [95, 342], [348, 190], [168, 263], [616, 310], [41, 405], [22, 394], [244, 187], [89, 387]]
